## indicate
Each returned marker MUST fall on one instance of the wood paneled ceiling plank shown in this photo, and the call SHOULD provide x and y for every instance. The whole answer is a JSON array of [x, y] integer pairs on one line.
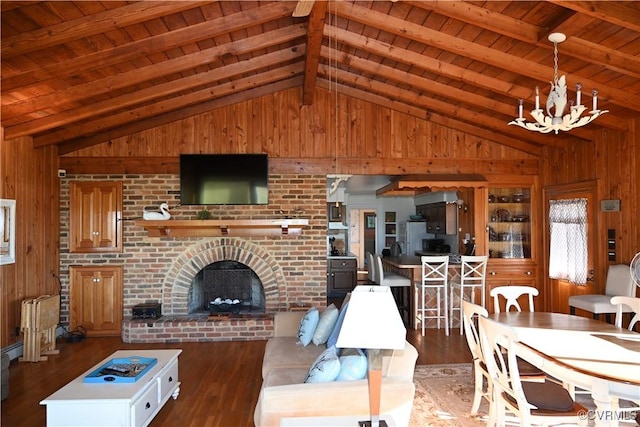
[[145, 95], [407, 108], [474, 117], [428, 86], [91, 25], [140, 75], [481, 17], [159, 120], [101, 124], [315, 29], [474, 51], [523, 31], [597, 54], [624, 14]]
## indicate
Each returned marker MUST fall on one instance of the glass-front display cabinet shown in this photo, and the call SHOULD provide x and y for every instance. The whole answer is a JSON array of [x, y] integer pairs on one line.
[[509, 226]]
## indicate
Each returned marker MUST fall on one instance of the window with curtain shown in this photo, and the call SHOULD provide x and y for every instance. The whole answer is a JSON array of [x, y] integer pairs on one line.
[[568, 251]]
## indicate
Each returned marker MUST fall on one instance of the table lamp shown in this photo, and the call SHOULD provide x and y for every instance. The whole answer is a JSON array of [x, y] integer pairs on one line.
[[372, 322]]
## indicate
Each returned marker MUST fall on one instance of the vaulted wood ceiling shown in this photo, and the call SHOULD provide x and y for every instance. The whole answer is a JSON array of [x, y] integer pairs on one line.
[[82, 72]]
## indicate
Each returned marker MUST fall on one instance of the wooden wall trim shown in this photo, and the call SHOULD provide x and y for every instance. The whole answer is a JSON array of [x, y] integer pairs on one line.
[[355, 166]]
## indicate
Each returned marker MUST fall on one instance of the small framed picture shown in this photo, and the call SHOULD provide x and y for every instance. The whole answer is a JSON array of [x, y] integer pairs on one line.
[[371, 222], [7, 231]]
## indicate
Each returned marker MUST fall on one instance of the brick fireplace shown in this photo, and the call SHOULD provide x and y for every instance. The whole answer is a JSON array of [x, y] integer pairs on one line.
[[178, 283]]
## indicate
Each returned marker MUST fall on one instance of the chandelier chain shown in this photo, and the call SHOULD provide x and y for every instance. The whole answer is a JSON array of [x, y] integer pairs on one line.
[[555, 63]]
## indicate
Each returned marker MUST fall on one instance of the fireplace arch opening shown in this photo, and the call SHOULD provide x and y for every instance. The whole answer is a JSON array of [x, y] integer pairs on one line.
[[226, 286], [179, 278]]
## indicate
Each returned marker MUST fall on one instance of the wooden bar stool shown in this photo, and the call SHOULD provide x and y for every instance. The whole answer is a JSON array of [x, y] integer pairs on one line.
[[435, 273]]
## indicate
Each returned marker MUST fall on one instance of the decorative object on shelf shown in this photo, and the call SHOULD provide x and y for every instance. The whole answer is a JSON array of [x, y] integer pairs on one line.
[[373, 322], [163, 214], [634, 268], [503, 215], [519, 198], [203, 214], [557, 101], [492, 198], [504, 199]]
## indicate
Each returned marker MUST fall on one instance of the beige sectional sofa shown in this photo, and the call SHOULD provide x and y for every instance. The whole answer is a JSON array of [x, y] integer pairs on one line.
[[284, 392]]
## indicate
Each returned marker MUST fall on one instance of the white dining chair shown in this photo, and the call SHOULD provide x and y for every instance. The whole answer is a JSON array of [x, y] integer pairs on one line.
[[400, 286], [511, 295], [473, 272], [618, 283], [631, 303], [434, 276], [371, 268], [482, 382], [531, 402]]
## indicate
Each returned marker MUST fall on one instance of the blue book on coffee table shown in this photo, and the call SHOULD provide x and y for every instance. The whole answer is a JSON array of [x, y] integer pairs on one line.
[[121, 370]]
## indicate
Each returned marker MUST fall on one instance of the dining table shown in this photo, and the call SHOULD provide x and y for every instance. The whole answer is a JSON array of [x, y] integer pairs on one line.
[[587, 353]]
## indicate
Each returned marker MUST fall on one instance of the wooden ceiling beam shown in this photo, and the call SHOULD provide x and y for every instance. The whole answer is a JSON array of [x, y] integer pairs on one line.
[[614, 12], [150, 94], [500, 24], [481, 17], [448, 109], [407, 108], [170, 117], [154, 71], [453, 95], [472, 50], [148, 46], [315, 29], [100, 124], [91, 25], [435, 66]]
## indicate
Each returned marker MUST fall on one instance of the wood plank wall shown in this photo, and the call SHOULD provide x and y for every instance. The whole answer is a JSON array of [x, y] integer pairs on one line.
[[31, 178], [372, 140], [613, 161]]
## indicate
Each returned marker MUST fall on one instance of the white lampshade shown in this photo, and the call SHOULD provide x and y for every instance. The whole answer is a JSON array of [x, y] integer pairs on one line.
[[372, 320]]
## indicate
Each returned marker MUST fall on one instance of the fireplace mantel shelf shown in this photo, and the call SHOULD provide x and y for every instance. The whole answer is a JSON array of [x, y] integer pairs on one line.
[[220, 227]]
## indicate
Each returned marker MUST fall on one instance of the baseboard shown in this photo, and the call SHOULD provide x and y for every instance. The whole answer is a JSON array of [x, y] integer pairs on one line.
[[16, 350]]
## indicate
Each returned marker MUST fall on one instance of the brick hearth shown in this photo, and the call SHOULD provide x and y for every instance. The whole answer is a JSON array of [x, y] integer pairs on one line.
[[198, 328]]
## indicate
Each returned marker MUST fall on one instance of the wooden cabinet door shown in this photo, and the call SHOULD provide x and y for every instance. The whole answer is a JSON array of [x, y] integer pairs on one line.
[[96, 300], [523, 274], [342, 276], [94, 216]]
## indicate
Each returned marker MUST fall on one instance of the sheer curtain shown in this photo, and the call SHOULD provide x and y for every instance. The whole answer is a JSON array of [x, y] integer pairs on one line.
[[568, 251]]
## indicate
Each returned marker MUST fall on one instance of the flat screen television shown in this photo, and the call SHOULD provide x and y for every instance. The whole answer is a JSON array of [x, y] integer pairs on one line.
[[224, 179]]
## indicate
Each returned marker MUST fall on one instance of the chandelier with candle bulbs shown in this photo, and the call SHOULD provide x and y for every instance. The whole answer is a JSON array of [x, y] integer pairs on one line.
[[555, 119]]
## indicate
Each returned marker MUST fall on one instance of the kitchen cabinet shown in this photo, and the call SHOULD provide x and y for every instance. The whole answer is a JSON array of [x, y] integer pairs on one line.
[[95, 301], [441, 217], [336, 213], [511, 224], [95, 216], [342, 276], [523, 274]]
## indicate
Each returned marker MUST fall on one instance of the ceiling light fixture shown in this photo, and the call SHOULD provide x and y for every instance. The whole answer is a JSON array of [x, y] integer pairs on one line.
[[557, 101]]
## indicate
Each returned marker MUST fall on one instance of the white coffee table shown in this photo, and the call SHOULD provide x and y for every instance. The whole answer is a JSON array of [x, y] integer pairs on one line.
[[109, 404]]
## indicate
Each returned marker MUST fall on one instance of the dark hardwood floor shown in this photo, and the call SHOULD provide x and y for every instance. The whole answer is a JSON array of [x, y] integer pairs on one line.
[[220, 380]]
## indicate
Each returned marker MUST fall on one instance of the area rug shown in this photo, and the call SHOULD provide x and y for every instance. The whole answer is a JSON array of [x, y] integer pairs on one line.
[[444, 394]]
